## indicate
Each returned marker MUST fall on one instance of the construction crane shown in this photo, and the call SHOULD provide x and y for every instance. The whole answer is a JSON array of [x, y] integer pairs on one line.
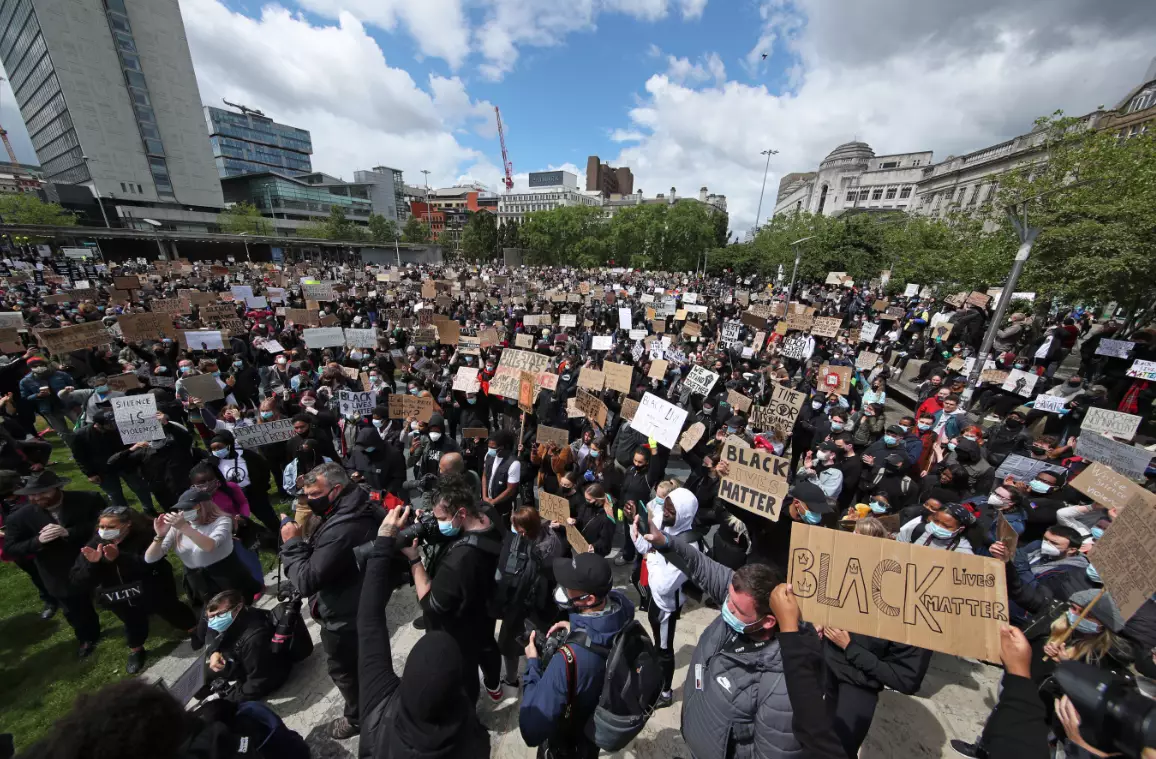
[[509, 167], [244, 109], [7, 143]]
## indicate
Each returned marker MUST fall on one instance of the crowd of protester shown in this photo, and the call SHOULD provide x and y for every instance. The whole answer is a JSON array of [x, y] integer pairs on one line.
[[514, 603]]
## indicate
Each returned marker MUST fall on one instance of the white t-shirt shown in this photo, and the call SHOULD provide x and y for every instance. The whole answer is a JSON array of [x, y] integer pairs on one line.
[[513, 476], [193, 557]]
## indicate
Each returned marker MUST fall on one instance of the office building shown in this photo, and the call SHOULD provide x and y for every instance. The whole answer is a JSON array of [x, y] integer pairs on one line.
[[548, 190], [853, 177], [607, 180], [292, 202], [450, 209], [387, 191], [250, 142], [108, 95]]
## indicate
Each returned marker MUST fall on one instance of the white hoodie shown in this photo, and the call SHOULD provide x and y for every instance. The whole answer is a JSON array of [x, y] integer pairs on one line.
[[663, 578]]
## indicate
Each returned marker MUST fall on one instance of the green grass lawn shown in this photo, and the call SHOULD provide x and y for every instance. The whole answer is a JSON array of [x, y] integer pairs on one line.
[[40, 673]]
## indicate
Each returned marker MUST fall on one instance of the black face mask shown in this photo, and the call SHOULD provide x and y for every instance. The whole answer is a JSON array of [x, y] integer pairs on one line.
[[321, 506], [1013, 424]]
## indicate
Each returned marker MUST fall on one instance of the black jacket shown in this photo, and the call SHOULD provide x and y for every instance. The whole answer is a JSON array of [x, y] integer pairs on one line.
[[803, 669], [92, 450], [324, 569], [130, 565], [249, 659], [1018, 726], [165, 465], [79, 513], [875, 664]]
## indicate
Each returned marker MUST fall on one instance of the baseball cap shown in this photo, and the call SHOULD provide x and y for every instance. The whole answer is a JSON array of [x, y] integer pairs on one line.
[[587, 572]]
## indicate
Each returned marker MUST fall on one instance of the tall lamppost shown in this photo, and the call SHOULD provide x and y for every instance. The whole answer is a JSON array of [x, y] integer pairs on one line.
[[768, 153]]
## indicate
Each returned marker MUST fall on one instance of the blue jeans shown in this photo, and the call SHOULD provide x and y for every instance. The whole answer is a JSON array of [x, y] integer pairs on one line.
[[110, 483]]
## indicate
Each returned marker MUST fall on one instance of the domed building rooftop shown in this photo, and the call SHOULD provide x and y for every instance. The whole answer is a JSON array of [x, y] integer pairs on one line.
[[847, 152]]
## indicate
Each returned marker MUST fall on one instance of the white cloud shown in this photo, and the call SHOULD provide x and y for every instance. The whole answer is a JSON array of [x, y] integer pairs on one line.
[[919, 88], [361, 111], [681, 70], [627, 135], [439, 28]]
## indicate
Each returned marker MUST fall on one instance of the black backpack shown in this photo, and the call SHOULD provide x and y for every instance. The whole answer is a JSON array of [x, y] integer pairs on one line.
[[519, 584], [631, 687]]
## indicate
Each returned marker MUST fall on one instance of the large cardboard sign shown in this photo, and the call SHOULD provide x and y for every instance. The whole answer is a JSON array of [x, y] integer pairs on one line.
[[1127, 460], [402, 406], [592, 408], [265, 433], [941, 600], [136, 418], [466, 380], [700, 380], [658, 369], [835, 379], [1107, 488], [781, 413], [68, 339], [755, 481], [203, 386], [1126, 558], [555, 435], [150, 326], [553, 508], [658, 419], [618, 376], [738, 401], [524, 361], [1110, 423], [826, 326], [361, 338], [591, 379], [324, 337]]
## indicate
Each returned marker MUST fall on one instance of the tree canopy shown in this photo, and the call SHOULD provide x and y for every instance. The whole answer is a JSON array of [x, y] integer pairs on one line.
[[480, 237], [244, 218], [24, 208]]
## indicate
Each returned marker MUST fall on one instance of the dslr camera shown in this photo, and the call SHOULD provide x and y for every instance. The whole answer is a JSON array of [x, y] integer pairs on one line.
[[424, 528], [546, 645], [1114, 715]]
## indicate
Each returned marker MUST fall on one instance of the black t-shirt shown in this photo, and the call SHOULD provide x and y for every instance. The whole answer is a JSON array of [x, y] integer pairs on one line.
[[464, 582]]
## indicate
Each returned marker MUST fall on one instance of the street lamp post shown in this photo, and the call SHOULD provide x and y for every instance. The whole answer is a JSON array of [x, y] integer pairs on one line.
[[795, 271], [397, 251], [768, 153]]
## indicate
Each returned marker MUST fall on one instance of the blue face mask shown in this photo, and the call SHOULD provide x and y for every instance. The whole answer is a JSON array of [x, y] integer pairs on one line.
[[379, 423], [1039, 486], [371, 449], [1093, 575], [731, 620], [471, 401], [594, 454], [238, 364], [836, 426], [890, 440], [186, 369], [266, 415], [447, 528], [216, 374], [1097, 533], [732, 430], [102, 390], [877, 507], [951, 446], [221, 622], [940, 532], [492, 452], [221, 453], [924, 427], [811, 517], [414, 391], [1086, 626]]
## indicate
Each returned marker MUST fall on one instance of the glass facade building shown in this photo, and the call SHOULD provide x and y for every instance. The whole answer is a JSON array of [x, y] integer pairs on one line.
[[304, 198], [248, 143]]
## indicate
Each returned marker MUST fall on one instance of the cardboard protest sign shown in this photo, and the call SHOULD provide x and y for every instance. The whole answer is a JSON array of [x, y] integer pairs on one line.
[[402, 406], [576, 540], [506, 383], [136, 418], [123, 382], [1114, 348], [361, 338], [448, 332], [1023, 469], [1020, 382], [978, 299], [545, 381], [1126, 558], [867, 332], [592, 379], [359, 403], [1128, 460], [466, 380], [1053, 404], [700, 380], [204, 387], [1006, 534], [10, 341], [629, 408], [555, 435], [658, 419], [553, 508], [149, 326], [1143, 370], [526, 392], [592, 408], [265, 433], [1108, 488], [475, 433], [756, 481], [302, 316], [171, 306], [524, 361], [780, 414], [1111, 423], [522, 340], [126, 283], [738, 401], [319, 292], [618, 376], [835, 379], [866, 360], [658, 369], [324, 337], [68, 339], [941, 600], [691, 436], [802, 322], [993, 377], [825, 326]]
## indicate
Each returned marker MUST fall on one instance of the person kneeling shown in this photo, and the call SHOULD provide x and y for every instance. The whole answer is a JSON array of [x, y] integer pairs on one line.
[[239, 649]]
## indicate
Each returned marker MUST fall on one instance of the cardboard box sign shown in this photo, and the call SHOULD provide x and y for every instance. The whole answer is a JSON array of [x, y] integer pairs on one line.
[[402, 406], [475, 433], [926, 597], [629, 409], [1126, 558], [555, 435]]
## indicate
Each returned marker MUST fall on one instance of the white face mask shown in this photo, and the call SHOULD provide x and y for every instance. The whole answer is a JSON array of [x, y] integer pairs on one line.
[[108, 534], [435, 436]]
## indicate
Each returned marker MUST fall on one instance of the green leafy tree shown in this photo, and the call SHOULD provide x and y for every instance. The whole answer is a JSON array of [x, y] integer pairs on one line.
[[572, 234], [314, 230], [480, 237], [244, 218], [23, 208], [721, 220], [339, 227], [415, 230], [381, 229]]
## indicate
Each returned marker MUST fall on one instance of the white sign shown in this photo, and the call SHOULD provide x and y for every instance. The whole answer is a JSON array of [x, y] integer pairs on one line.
[[658, 419], [910, 291], [242, 292], [276, 294], [795, 347], [272, 346], [1116, 348], [324, 337], [700, 380], [1110, 423], [319, 292], [656, 351], [1020, 382], [602, 343], [356, 403], [257, 301], [1127, 460], [1053, 404], [256, 435], [136, 418], [1143, 370], [690, 297], [466, 380], [637, 334], [675, 357], [568, 320], [204, 340], [730, 332], [11, 320], [361, 338], [867, 332], [625, 319]]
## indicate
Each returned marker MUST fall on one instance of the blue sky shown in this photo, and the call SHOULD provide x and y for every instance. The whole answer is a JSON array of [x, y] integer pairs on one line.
[[675, 89]]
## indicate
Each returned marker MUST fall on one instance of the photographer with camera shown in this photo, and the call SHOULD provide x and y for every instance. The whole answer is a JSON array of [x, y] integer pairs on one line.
[[325, 570], [238, 647], [555, 704], [455, 589], [425, 712]]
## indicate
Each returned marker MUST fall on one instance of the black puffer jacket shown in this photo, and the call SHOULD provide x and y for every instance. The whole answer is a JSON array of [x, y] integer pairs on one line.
[[875, 664]]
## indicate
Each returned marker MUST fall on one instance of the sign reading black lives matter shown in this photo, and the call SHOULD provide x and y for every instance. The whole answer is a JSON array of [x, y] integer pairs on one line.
[[755, 480]]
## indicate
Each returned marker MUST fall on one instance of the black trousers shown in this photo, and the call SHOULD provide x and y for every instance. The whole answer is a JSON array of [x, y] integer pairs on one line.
[[341, 661], [136, 618], [81, 616], [663, 631], [851, 709], [33, 573], [261, 508]]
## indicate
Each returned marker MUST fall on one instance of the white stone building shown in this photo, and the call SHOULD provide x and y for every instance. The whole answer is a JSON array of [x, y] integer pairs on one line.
[[548, 190], [853, 177]]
